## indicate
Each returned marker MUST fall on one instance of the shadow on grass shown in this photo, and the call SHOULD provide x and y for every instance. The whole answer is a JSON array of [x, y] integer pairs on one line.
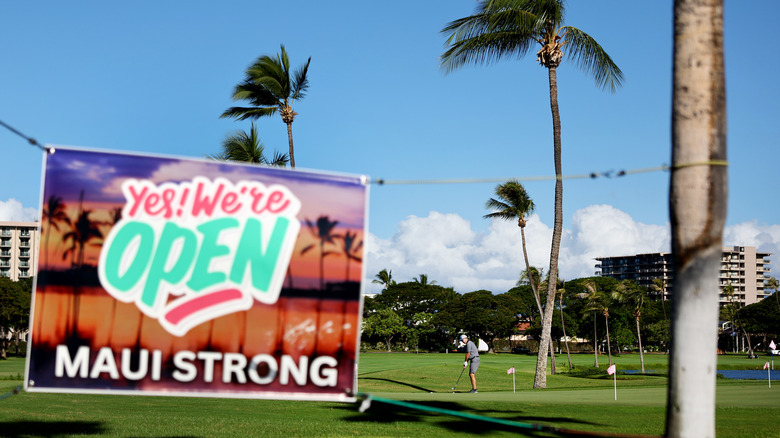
[[14, 429], [388, 413], [19, 429], [396, 382]]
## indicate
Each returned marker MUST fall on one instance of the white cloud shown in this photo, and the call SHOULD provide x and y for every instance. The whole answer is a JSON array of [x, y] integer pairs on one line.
[[764, 237], [13, 211], [604, 231], [444, 247]]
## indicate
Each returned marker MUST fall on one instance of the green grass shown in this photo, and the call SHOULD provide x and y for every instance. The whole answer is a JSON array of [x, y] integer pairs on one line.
[[580, 400]]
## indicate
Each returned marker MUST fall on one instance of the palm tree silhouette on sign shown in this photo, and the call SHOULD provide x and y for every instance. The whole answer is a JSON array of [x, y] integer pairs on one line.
[[83, 230], [270, 87], [509, 29], [116, 216], [351, 248], [323, 231], [54, 214]]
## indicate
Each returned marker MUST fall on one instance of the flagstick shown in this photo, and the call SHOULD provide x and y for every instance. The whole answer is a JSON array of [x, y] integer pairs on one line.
[[614, 378], [513, 383]]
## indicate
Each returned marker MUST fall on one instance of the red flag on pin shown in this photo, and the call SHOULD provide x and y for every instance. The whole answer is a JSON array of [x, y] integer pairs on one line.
[[611, 370], [511, 370], [766, 365]]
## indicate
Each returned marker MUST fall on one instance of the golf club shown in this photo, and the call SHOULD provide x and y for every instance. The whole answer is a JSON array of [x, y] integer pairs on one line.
[[461, 375]]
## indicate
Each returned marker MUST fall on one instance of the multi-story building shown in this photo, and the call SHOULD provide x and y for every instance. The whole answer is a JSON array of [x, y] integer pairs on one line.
[[19, 249], [742, 271]]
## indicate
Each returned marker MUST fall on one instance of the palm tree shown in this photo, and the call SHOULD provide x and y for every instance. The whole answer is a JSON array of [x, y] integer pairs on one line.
[[513, 203], [422, 280], [698, 206], [659, 286], [385, 278], [733, 311], [351, 249], [247, 148], [323, 231], [599, 302], [772, 283], [509, 28], [630, 293], [271, 87]]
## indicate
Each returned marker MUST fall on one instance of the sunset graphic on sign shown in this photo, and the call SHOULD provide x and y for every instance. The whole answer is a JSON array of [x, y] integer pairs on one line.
[[176, 276]]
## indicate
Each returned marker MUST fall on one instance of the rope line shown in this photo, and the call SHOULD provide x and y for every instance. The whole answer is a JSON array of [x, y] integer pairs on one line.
[[382, 181], [30, 140], [16, 390], [368, 399], [592, 175]]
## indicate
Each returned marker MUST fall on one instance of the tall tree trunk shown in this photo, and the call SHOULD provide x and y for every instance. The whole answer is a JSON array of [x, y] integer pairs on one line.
[[540, 378], [535, 290], [565, 339], [290, 140], [698, 197], [609, 347], [641, 352], [595, 341], [531, 280]]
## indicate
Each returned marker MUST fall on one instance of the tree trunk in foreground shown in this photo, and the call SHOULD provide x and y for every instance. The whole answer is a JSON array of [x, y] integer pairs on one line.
[[698, 209], [540, 378]]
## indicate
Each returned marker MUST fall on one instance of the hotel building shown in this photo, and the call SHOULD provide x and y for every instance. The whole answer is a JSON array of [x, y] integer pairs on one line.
[[19, 249], [741, 267]]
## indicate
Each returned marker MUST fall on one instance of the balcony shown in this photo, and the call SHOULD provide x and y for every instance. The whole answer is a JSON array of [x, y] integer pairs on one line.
[[24, 244], [5, 253], [25, 254]]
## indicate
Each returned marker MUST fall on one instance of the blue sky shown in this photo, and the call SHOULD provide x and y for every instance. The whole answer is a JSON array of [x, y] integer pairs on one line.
[[155, 76]]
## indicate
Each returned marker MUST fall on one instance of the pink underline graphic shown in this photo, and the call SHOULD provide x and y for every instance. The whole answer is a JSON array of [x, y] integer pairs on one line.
[[195, 305]]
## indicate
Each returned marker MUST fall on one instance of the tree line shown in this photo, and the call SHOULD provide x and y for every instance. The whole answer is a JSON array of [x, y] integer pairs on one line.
[[612, 316], [14, 314]]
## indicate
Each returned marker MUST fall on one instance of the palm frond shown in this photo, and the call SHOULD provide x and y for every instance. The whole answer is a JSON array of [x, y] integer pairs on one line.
[[243, 113], [592, 59], [487, 37], [300, 81]]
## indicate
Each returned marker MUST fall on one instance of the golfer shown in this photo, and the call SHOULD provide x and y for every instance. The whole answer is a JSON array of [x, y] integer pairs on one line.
[[472, 361]]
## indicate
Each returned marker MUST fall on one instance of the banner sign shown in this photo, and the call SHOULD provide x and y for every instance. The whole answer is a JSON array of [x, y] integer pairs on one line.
[[170, 276]]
